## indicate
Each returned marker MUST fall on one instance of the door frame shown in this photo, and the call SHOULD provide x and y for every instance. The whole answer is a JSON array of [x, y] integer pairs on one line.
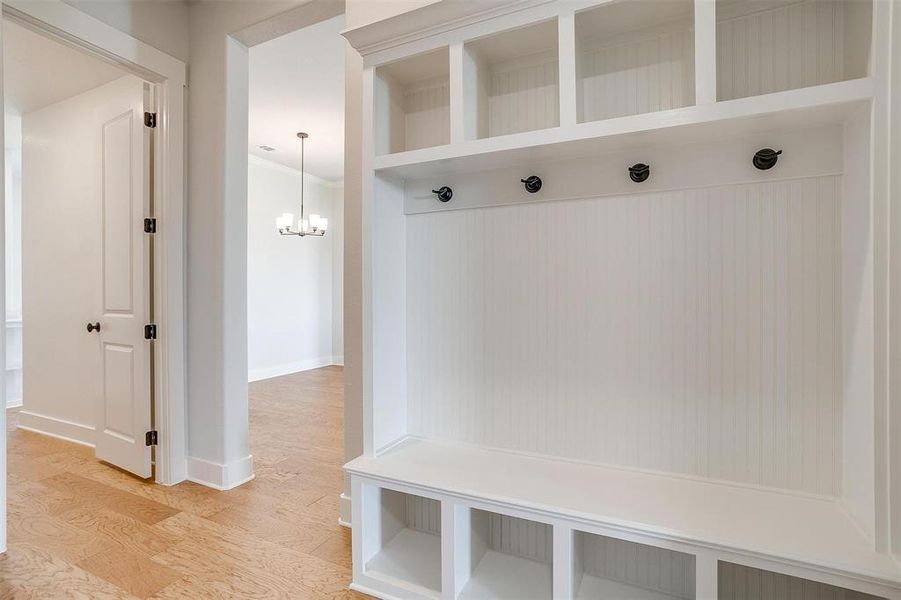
[[64, 23]]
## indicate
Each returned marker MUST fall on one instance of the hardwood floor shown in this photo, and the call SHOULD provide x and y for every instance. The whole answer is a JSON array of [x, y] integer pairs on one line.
[[81, 529]]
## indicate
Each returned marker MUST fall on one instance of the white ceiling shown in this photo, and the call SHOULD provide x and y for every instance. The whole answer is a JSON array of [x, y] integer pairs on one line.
[[38, 71], [297, 84]]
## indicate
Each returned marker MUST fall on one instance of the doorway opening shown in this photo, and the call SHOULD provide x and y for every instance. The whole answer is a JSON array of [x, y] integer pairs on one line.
[[295, 283], [79, 138]]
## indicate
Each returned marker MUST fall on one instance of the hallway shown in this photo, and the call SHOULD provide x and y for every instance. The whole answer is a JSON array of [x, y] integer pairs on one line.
[[80, 528]]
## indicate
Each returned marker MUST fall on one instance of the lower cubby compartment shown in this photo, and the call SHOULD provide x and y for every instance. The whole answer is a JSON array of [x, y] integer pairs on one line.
[[606, 567], [509, 558], [408, 540], [738, 582]]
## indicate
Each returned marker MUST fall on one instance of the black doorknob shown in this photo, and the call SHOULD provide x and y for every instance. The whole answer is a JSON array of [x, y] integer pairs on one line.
[[93, 327], [532, 183]]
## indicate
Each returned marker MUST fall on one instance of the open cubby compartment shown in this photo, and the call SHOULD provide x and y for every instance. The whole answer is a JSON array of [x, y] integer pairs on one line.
[[739, 582], [511, 81], [402, 542], [606, 567], [634, 58], [505, 557], [777, 45], [412, 103]]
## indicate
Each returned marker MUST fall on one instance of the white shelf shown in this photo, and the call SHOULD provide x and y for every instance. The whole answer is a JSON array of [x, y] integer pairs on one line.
[[511, 81], [634, 58], [808, 530], [793, 109], [598, 588], [505, 576], [413, 557], [764, 47]]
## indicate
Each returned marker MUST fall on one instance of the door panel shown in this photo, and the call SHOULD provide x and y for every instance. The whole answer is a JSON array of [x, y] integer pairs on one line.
[[117, 219], [125, 411]]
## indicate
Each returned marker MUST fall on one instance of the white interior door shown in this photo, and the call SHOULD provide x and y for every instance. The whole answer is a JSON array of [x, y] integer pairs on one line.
[[125, 396]]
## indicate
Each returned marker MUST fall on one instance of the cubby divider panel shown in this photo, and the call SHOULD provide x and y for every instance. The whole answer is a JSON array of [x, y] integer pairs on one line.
[[410, 540], [510, 558], [607, 567], [766, 47], [634, 58]]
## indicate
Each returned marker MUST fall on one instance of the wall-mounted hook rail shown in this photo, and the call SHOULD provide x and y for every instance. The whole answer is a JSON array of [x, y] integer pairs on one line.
[[444, 193], [532, 183], [766, 158], [639, 172]]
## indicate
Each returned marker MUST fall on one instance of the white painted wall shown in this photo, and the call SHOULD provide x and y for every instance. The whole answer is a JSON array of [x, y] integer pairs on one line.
[[13, 216], [61, 245], [162, 24], [290, 280]]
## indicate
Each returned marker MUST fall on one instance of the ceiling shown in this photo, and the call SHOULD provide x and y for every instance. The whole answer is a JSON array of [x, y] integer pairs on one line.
[[38, 71], [297, 84]]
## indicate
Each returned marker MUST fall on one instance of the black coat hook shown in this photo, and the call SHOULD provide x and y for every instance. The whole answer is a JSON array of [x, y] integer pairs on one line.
[[532, 183], [639, 172], [444, 193], [766, 158]]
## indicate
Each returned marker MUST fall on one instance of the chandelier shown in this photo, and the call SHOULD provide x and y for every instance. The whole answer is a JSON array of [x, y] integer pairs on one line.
[[314, 225]]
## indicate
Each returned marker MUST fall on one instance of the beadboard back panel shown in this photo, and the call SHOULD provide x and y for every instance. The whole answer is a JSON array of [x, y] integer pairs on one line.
[[520, 537], [696, 332], [738, 582], [427, 115], [643, 73], [523, 95], [423, 514], [789, 45], [648, 567]]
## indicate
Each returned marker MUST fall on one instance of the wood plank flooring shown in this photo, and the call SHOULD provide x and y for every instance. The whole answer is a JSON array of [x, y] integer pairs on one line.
[[81, 529]]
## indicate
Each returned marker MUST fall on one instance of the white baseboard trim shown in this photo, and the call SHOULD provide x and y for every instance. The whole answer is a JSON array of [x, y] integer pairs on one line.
[[219, 476], [13, 402], [261, 373], [344, 518], [62, 429], [338, 360]]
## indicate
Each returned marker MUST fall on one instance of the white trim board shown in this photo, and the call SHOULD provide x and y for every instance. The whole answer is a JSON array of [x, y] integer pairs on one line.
[[69, 431], [69, 25], [293, 367], [220, 476]]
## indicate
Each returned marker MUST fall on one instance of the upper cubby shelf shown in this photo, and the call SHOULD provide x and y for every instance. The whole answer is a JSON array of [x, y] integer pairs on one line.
[[577, 79], [511, 82], [792, 109], [766, 47], [634, 58], [412, 103]]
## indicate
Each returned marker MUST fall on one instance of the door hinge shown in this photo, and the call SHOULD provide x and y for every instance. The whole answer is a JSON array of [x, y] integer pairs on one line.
[[151, 438], [150, 120], [149, 225], [150, 331]]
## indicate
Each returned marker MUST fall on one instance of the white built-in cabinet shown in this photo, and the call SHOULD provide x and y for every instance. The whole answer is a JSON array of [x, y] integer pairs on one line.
[[608, 388]]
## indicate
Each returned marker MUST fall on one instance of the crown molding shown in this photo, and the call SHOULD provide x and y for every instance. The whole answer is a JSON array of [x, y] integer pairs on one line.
[[430, 20]]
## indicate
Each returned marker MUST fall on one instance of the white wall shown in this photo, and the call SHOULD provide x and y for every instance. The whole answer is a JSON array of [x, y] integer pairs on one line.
[[13, 217], [290, 280], [163, 25]]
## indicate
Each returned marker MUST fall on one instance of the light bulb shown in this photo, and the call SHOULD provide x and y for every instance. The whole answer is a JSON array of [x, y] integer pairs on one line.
[[288, 219], [314, 221], [323, 223], [304, 225]]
